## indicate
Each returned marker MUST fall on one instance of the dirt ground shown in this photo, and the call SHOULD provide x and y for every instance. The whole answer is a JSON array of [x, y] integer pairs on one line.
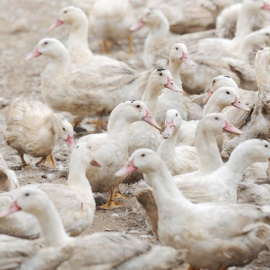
[[22, 24]]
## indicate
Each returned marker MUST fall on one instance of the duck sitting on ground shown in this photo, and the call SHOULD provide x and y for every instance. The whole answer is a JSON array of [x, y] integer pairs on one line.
[[32, 128]]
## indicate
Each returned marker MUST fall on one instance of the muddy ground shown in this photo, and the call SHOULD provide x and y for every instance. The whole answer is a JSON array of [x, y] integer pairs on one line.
[[22, 24]]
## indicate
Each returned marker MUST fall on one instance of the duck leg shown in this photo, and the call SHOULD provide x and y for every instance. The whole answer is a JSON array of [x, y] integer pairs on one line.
[[49, 162], [111, 204], [120, 195], [41, 161], [24, 163], [105, 47], [101, 121], [130, 42], [76, 124]]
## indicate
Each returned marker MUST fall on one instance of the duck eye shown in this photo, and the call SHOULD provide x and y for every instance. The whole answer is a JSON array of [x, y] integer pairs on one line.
[[77, 146], [176, 114], [64, 129], [160, 74], [227, 92], [265, 145], [26, 194], [138, 106], [214, 81], [45, 43], [216, 118], [65, 11], [142, 155], [176, 48]]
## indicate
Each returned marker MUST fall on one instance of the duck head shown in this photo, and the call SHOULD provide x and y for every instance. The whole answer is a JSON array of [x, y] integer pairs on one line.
[[50, 47], [220, 81], [173, 122], [70, 15]]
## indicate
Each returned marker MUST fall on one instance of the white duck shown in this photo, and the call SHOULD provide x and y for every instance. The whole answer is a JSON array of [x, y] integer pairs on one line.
[[256, 126], [75, 202], [32, 128], [141, 134], [246, 24], [111, 20], [249, 15], [8, 178], [83, 93], [91, 251], [77, 44], [207, 131], [182, 159], [216, 102], [172, 100], [222, 184], [114, 144], [233, 115], [159, 39], [183, 224], [215, 84]]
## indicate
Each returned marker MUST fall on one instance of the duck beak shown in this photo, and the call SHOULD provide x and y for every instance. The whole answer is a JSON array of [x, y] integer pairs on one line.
[[172, 85], [33, 54], [147, 118], [70, 142], [209, 94], [14, 207], [137, 26], [238, 104], [95, 163], [230, 128], [128, 168], [169, 130], [56, 24], [266, 6], [187, 60]]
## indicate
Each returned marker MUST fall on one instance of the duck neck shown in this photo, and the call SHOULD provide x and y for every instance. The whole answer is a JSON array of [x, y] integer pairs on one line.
[[245, 22], [174, 68], [167, 148], [238, 168], [262, 69], [165, 188], [150, 98], [58, 65], [208, 152], [159, 30], [77, 179], [78, 38], [118, 124], [52, 229], [212, 106]]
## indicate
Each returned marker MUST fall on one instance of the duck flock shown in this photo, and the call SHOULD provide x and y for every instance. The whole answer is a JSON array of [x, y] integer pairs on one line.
[[190, 124]]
